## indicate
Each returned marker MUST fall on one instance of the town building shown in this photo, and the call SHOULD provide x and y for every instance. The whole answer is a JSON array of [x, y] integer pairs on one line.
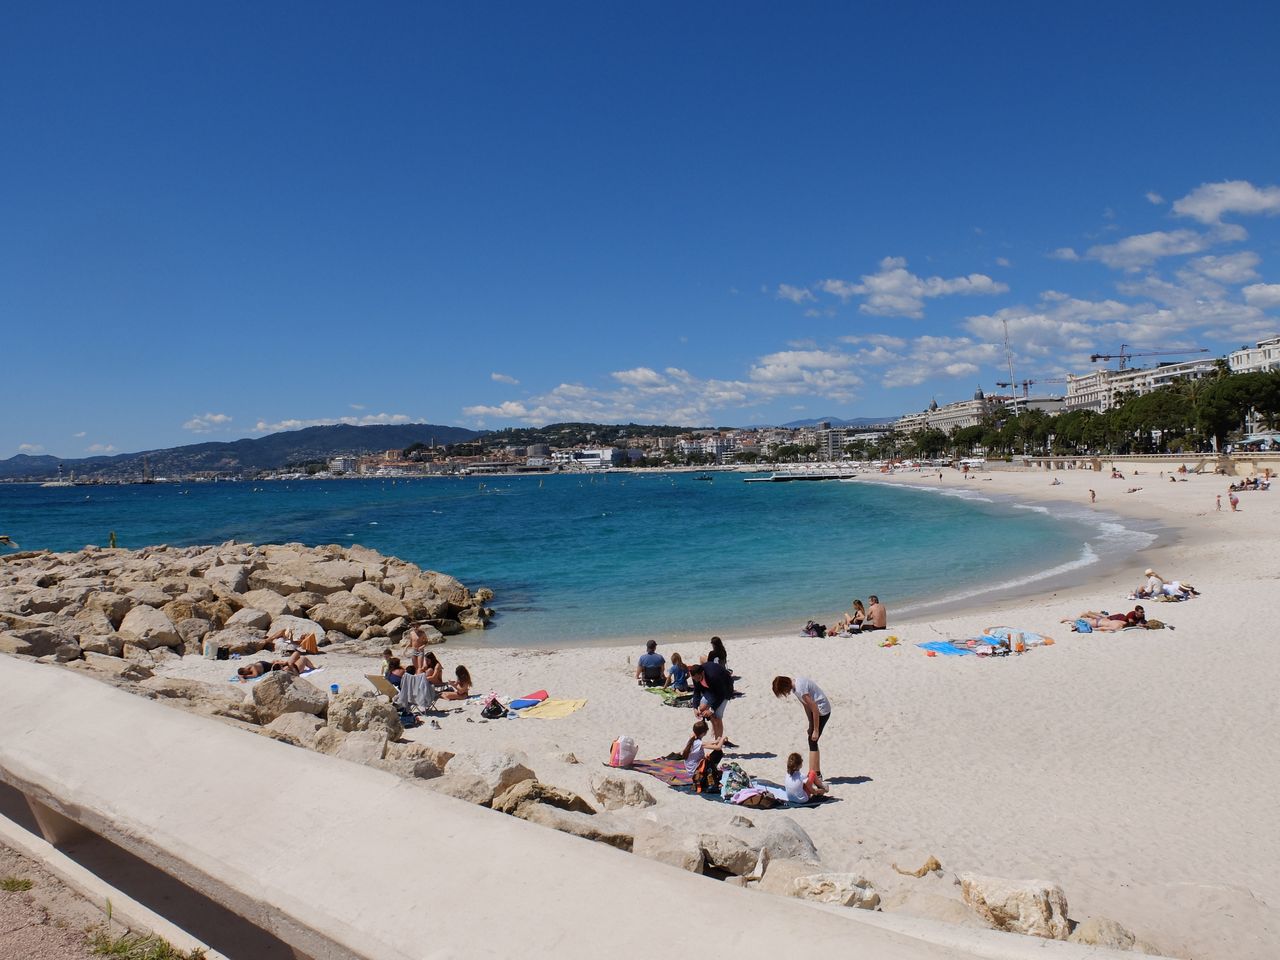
[[1258, 359]]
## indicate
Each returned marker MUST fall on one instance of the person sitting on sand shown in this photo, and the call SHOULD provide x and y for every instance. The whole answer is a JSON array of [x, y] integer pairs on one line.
[[651, 666], [802, 789], [852, 621], [393, 671], [460, 689], [877, 616], [717, 653], [431, 668], [678, 675], [296, 664], [697, 748]]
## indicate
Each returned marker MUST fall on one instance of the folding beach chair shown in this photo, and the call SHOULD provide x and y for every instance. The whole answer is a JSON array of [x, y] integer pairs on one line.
[[383, 686]]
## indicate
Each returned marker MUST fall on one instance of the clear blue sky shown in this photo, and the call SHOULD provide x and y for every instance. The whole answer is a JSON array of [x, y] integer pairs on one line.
[[223, 219]]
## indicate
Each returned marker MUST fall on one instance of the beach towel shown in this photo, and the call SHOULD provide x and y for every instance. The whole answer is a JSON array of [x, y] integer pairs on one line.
[[671, 697], [947, 648], [553, 709], [264, 676], [670, 772], [416, 692], [1028, 638], [529, 700]]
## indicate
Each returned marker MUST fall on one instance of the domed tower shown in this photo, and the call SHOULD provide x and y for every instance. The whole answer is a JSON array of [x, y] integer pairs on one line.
[[979, 395], [933, 405]]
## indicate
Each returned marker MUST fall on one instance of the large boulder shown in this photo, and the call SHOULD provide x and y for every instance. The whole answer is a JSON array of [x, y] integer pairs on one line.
[[44, 641], [249, 617], [299, 729], [1034, 908], [112, 605], [193, 630], [786, 840], [500, 770], [15, 646], [342, 611], [268, 601], [148, 628], [110, 644], [115, 667], [731, 854], [615, 790], [846, 889], [282, 692], [419, 751], [275, 580], [149, 595], [658, 842], [233, 576], [780, 874], [352, 711], [464, 786], [359, 746], [600, 827], [526, 792], [296, 627], [384, 605], [44, 601], [242, 640], [1102, 932]]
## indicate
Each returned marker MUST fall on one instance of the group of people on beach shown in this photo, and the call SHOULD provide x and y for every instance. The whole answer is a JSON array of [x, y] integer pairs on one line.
[[426, 664]]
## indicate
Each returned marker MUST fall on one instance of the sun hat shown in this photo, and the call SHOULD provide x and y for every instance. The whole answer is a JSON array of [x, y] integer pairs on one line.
[[1149, 573]]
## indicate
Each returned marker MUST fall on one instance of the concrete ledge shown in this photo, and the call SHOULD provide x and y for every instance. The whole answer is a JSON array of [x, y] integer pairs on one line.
[[343, 861]]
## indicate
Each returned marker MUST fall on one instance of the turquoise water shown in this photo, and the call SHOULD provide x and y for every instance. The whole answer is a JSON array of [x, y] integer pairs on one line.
[[577, 559]]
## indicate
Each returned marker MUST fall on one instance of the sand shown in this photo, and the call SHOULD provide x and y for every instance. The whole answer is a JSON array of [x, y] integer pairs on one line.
[[1137, 770]]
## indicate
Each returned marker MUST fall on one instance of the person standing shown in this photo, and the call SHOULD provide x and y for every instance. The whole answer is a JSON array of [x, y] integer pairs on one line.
[[1234, 501], [1093, 496], [712, 690], [817, 711]]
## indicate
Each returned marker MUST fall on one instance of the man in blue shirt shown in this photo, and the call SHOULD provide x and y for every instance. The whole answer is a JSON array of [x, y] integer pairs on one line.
[[651, 667]]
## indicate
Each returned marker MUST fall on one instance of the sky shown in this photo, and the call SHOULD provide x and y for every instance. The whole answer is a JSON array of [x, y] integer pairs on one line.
[[223, 220]]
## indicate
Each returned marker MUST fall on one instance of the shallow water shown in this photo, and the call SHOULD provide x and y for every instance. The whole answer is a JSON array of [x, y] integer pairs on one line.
[[581, 559]]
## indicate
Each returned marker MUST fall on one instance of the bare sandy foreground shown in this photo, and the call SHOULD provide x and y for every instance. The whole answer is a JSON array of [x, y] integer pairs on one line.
[[1138, 770]]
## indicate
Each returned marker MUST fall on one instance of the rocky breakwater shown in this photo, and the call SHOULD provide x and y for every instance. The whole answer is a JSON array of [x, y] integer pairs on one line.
[[149, 605]]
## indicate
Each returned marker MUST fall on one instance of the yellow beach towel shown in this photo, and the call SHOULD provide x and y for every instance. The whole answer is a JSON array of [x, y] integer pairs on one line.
[[554, 709]]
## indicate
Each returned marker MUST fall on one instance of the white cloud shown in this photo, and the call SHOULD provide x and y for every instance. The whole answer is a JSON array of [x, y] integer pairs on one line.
[[1230, 268], [894, 291], [356, 406], [929, 357], [1153, 197], [101, 448], [1064, 253], [1210, 201], [206, 422], [79, 436], [1146, 248], [503, 378], [263, 426], [1264, 296], [30, 448], [795, 294], [1003, 262], [883, 340]]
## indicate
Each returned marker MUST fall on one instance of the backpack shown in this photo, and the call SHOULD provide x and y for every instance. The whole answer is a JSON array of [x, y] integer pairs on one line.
[[760, 801], [706, 779], [732, 779], [493, 708], [622, 753]]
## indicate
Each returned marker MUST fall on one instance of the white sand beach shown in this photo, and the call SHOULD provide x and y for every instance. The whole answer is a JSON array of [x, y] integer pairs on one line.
[[1137, 769]]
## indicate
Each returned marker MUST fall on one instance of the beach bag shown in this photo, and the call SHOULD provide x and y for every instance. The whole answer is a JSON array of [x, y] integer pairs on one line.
[[706, 779], [758, 799], [493, 708], [732, 779], [814, 629], [622, 753], [1154, 624], [1082, 626]]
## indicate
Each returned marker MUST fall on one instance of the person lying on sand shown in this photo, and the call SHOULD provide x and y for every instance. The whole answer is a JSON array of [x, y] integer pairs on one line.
[[1107, 622], [296, 664]]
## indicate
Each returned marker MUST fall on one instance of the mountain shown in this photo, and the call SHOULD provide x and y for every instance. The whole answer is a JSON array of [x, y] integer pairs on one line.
[[837, 422], [271, 452]]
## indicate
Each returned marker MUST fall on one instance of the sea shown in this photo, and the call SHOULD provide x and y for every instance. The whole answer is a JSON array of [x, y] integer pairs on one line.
[[600, 558]]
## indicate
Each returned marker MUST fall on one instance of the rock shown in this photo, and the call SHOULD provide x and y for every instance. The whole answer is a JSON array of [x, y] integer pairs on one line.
[[446, 627], [148, 628], [341, 611], [282, 693], [362, 746], [527, 792], [393, 628], [304, 600], [44, 601], [242, 640], [384, 605], [600, 827], [1101, 932], [116, 667], [233, 576], [464, 786], [846, 889], [268, 601], [568, 758], [786, 840], [419, 751], [729, 853], [1035, 908], [299, 729], [615, 790], [112, 605], [779, 875], [277, 581], [738, 820], [499, 770], [351, 711], [16, 646], [656, 842], [192, 631], [472, 618], [249, 617], [43, 641], [67, 652], [179, 610], [110, 644], [91, 620], [410, 769], [148, 595]]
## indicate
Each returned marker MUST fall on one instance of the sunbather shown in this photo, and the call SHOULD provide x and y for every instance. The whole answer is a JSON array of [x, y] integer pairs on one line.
[[1108, 622], [460, 689], [296, 664]]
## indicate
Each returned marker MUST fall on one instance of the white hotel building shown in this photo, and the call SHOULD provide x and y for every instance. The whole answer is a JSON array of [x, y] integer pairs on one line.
[[1265, 356], [1101, 390]]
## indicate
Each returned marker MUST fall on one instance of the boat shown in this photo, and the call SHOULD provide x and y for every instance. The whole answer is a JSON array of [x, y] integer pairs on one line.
[[704, 476], [787, 476]]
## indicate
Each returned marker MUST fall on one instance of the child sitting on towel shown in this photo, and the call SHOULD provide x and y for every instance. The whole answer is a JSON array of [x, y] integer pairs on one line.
[[802, 789]]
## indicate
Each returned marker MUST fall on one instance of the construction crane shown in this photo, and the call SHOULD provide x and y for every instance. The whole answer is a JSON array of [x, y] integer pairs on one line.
[[1124, 356], [1027, 384]]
